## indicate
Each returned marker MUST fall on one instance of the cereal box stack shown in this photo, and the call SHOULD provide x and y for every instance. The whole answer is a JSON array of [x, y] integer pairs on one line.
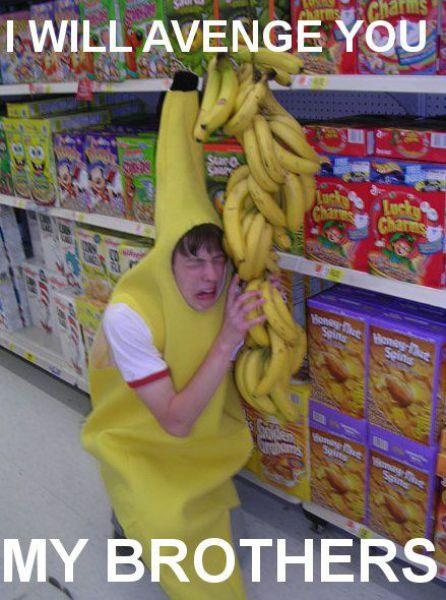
[[440, 517]]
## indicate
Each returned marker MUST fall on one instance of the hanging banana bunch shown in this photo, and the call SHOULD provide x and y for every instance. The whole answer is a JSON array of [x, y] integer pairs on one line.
[[266, 199]]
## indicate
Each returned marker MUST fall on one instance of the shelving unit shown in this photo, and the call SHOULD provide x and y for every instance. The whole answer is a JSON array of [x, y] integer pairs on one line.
[[245, 474]]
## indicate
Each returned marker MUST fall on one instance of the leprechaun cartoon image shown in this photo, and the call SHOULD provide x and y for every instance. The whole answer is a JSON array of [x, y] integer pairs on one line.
[[401, 246], [167, 425], [332, 236]]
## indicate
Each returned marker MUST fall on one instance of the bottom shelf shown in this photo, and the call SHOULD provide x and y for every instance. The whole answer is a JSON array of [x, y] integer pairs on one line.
[[245, 474], [358, 530], [33, 345]]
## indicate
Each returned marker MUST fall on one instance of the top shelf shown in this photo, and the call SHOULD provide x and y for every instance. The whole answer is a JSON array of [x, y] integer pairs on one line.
[[427, 84]]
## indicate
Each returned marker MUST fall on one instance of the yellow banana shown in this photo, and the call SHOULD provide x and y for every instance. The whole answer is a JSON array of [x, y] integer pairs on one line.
[[255, 162], [289, 334], [209, 99], [281, 238], [246, 72], [243, 91], [226, 98], [263, 249], [239, 378], [271, 107], [236, 176], [265, 143], [288, 120], [242, 119], [258, 333], [298, 351], [269, 59], [282, 309], [232, 220], [274, 370], [265, 203], [294, 202], [296, 142], [309, 186], [252, 374], [271, 263], [293, 163], [247, 268], [282, 77], [281, 397], [247, 222]]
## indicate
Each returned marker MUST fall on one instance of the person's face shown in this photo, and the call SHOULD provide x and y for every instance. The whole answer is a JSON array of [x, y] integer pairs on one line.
[[200, 278], [402, 248]]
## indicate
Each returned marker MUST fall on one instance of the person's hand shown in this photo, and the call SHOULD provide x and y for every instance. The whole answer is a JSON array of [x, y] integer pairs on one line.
[[276, 282], [238, 306]]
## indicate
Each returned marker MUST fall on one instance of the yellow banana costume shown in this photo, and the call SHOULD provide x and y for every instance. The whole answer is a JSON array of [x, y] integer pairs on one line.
[[162, 486]]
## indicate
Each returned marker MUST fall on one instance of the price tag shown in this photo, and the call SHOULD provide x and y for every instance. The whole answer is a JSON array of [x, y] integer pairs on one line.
[[318, 82], [85, 90], [29, 356], [21, 203], [80, 217], [364, 533], [334, 274]]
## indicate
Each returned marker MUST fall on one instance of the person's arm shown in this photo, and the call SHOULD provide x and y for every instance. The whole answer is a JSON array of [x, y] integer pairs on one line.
[[178, 411]]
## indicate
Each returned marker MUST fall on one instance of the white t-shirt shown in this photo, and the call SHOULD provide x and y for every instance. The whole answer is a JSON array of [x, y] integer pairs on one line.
[[132, 348]]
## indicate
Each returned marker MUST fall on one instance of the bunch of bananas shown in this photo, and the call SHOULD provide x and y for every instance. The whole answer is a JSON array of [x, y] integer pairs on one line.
[[265, 199]]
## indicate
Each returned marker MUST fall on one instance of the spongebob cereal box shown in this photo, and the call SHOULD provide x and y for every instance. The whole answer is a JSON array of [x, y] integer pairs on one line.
[[337, 228], [338, 462], [95, 280], [405, 18], [334, 59], [16, 148], [281, 453], [401, 488], [408, 229], [6, 183], [18, 66]]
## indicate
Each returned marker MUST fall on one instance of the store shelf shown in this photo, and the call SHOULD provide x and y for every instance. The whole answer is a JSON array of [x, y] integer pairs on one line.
[[426, 84], [33, 345], [391, 287], [245, 474], [113, 223], [360, 531]]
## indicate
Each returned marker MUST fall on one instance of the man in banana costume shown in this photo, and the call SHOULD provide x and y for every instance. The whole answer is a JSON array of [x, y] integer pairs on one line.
[[169, 444]]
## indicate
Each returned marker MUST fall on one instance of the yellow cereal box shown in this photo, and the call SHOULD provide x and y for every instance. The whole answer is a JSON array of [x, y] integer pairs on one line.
[[95, 280], [89, 313]]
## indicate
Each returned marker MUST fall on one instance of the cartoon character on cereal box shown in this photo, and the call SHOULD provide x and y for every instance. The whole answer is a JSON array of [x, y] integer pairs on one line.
[[104, 183], [401, 247], [333, 236]]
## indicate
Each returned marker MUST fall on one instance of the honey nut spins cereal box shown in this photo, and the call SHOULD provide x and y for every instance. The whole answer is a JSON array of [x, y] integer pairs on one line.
[[401, 486], [408, 230], [398, 61], [407, 375], [281, 450], [338, 333], [338, 446], [333, 59], [337, 228], [440, 515], [95, 280]]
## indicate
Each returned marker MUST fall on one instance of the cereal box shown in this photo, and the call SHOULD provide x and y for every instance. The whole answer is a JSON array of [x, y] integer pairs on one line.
[[281, 453], [424, 143], [186, 12], [440, 513], [11, 237], [401, 488], [47, 66], [408, 230], [72, 172], [20, 65], [220, 159], [339, 138], [406, 393], [339, 476], [121, 254], [73, 64], [69, 253], [6, 183], [95, 280], [18, 280], [89, 313], [108, 66], [137, 17], [423, 177], [10, 319], [34, 234], [347, 168], [42, 108], [70, 332], [105, 185], [334, 58], [49, 239], [16, 148], [137, 163], [398, 60], [337, 228]]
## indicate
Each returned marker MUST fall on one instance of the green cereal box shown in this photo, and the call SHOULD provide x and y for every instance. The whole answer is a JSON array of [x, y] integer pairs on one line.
[[95, 280], [137, 17], [6, 186], [40, 157], [108, 66], [236, 10], [185, 12], [137, 162], [220, 159], [16, 146]]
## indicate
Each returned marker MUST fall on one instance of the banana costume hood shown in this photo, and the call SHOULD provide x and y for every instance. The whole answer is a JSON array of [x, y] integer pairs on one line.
[[163, 486]]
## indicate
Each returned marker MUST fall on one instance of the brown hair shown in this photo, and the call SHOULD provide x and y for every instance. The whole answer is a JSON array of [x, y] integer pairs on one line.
[[207, 235]]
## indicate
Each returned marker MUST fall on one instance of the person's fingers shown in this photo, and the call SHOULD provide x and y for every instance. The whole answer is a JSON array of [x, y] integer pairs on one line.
[[233, 288], [247, 308], [247, 296], [255, 321]]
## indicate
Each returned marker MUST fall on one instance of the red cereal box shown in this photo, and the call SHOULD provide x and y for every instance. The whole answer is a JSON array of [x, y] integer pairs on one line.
[[408, 229], [333, 59], [427, 144], [337, 228], [334, 138], [400, 15]]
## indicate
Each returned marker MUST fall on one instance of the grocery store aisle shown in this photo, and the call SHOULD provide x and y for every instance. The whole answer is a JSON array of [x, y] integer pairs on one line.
[[50, 489]]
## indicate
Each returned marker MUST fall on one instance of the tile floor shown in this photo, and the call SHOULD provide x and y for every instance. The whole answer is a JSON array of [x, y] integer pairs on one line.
[[49, 488]]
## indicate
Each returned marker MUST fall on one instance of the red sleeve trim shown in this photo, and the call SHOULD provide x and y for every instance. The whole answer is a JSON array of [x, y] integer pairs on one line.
[[149, 379]]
